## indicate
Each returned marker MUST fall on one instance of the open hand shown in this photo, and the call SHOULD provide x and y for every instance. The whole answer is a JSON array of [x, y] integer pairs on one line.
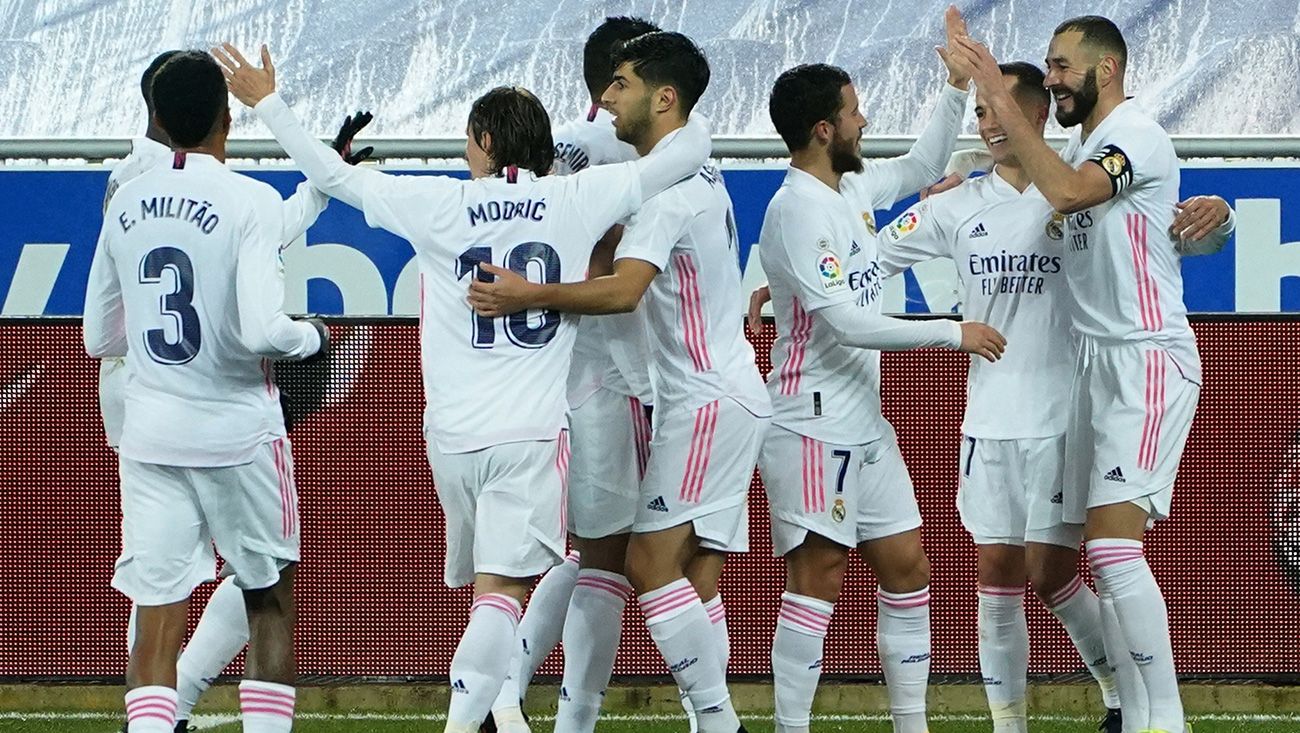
[[250, 84], [508, 292], [959, 69], [983, 66]]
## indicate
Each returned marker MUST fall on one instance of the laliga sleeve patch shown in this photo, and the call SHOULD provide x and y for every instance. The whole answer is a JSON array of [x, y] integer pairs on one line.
[[906, 223], [830, 272], [1117, 165]]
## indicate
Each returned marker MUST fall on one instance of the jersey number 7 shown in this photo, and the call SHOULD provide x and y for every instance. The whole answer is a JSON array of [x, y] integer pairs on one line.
[[540, 258]]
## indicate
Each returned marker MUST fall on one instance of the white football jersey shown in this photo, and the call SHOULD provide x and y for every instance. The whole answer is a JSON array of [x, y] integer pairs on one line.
[[490, 381], [580, 144], [186, 282], [1008, 247], [694, 307], [817, 251], [1125, 280], [145, 154]]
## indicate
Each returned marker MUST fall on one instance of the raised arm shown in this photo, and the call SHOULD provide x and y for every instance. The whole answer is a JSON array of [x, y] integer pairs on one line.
[[103, 323], [301, 211]]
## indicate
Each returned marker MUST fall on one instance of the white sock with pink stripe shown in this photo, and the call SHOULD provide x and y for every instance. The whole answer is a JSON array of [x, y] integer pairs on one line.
[[151, 709], [797, 658], [721, 637], [1079, 611], [266, 707], [1004, 655], [681, 629], [481, 661], [903, 642], [591, 635], [221, 634], [1144, 621], [539, 633]]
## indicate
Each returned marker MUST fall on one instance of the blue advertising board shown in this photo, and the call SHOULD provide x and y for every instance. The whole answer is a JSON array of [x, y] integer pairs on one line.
[[51, 219]]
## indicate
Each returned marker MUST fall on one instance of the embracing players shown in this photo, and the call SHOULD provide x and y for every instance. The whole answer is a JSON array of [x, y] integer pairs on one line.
[[1137, 371], [495, 420]]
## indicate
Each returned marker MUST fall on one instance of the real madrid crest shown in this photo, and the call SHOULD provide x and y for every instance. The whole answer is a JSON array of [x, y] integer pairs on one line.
[[1056, 226], [838, 511]]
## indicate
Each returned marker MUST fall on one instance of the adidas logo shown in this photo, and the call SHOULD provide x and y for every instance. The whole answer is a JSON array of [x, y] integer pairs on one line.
[[658, 505], [1115, 475], [855, 249], [1058, 498], [459, 686], [979, 231]]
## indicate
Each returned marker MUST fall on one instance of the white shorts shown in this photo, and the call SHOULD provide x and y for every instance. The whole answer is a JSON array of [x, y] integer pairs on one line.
[[1009, 492], [701, 466], [504, 508], [611, 446], [847, 494], [171, 515], [1130, 413]]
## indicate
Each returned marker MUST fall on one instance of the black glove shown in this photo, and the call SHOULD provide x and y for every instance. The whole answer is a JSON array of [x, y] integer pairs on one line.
[[303, 383], [343, 141]]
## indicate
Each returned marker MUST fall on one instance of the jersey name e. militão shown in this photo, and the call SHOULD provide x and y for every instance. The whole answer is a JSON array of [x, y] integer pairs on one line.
[[490, 381], [694, 307], [1009, 248], [609, 352], [1124, 271], [187, 272]]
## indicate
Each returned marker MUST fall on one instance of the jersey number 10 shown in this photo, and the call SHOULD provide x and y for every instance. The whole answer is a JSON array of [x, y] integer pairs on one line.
[[519, 328]]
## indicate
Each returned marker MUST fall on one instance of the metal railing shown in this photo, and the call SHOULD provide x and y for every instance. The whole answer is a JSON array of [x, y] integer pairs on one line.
[[724, 146]]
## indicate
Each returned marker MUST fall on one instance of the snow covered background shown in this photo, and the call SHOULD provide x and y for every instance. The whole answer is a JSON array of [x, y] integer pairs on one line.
[[70, 68]]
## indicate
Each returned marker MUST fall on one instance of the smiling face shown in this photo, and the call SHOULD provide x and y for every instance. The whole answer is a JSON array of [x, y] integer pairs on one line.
[[1072, 77]]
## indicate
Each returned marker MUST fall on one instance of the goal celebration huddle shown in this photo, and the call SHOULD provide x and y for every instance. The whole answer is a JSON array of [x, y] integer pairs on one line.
[[594, 412]]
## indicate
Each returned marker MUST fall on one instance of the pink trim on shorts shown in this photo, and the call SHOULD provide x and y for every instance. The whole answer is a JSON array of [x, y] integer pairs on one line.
[[800, 332], [605, 585], [1149, 447], [640, 435], [693, 322], [697, 461], [266, 374], [282, 478], [499, 602], [1148, 293], [562, 456], [814, 475]]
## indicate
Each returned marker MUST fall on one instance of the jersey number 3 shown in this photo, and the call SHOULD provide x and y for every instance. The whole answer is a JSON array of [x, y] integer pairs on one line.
[[529, 333], [176, 305]]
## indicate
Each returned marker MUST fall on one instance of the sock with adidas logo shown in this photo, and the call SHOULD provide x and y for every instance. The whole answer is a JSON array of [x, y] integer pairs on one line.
[[797, 658], [903, 642], [1126, 577], [681, 629], [591, 635], [482, 660], [538, 635], [1079, 611]]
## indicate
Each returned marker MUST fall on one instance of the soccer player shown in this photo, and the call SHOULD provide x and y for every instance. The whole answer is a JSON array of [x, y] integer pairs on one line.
[[185, 284], [610, 437], [834, 477], [500, 473], [1008, 245], [679, 254], [1137, 375]]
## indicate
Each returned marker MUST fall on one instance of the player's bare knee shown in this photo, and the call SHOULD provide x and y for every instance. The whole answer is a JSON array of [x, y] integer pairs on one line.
[[817, 569], [607, 553], [1001, 566], [905, 572]]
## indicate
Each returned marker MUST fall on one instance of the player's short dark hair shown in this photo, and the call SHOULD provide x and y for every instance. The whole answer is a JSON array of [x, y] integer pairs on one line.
[[1029, 81], [666, 58], [189, 97], [598, 53], [1098, 32], [804, 96], [519, 126], [146, 79]]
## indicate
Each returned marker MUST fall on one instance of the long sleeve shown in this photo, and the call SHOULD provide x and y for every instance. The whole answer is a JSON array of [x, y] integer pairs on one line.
[[857, 327], [883, 183], [259, 286], [318, 161], [103, 325], [301, 211], [678, 157]]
